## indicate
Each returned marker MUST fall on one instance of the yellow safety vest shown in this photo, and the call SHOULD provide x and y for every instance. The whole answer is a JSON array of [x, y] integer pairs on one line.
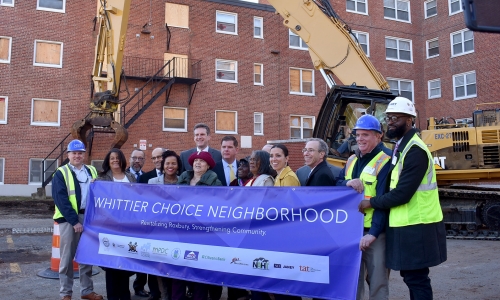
[[70, 186], [424, 207], [369, 178]]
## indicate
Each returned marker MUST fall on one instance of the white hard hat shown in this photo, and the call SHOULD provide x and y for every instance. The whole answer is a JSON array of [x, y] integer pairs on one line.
[[401, 105]]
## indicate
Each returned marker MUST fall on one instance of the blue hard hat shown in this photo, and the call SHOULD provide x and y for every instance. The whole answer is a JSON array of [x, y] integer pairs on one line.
[[368, 122], [76, 145]]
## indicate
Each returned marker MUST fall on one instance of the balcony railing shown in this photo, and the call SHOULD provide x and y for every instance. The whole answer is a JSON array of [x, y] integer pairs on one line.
[[144, 68]]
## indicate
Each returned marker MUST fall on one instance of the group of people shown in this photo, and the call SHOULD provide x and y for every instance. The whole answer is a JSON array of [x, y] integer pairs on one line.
[[403, 220]]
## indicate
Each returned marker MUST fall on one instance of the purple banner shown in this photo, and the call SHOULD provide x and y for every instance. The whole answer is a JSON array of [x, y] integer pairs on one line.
[[288, 240]]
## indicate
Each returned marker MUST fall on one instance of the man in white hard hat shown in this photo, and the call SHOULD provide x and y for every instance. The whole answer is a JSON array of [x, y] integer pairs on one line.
[[416, 236]]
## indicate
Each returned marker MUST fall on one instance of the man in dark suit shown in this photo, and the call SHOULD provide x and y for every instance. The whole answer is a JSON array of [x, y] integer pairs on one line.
[[156, 158], [315, 157], [137, 159], [201, 138], [226, 169], [303, 172]]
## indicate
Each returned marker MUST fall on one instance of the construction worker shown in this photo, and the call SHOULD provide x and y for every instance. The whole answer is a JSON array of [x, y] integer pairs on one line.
[[366, 171], [70, 187], [416, 236]]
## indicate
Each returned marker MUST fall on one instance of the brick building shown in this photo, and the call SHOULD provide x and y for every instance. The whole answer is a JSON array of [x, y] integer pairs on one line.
[[256, 77]]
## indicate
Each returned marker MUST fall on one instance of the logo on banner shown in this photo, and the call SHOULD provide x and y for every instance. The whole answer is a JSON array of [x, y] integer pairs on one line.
[[287, 267], [132, 248], [261, 263], [176, 253], [105, 242], [191, 255], [308, 269], [277, 266], [237, 261], [213, 258], [160, 250], [145, 249]]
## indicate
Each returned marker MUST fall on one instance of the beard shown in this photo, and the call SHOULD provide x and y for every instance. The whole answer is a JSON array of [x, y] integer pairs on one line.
[[396, 133]]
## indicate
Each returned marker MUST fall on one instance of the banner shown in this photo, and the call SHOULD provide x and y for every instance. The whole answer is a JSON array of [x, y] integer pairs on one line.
[[300, 241]]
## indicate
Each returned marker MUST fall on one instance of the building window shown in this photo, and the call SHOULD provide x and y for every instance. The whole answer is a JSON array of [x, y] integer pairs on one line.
[[455, 6], [363, 40], [2, 169], [432, 48], [177, 15], [357, 6], [258, 123], [226, 122], [301, 127], [301, 81], [45, 112], [97, 164], [402, 87], [397, 10], [226, 22], [464, 85], [48, 54], [258, 74], [295, 42], [4, 104], [434, 87], [174, 119], [5, 49], [258, 27], [51, 5], [398, 49], [462, 42], [430, 8], [7, 3], [37, 168], [226, 70]]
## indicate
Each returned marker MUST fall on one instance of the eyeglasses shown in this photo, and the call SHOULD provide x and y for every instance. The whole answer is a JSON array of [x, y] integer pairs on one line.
[[134, 158], [392, 119], [310, 150], [156, 157]]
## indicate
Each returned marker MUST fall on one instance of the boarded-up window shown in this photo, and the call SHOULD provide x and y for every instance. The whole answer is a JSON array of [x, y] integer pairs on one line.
[[301, 81], [226, 70], [5, 48], [48, 54], [45, 112], [3, 110], [179, 67], [174, 119], [177, 15], [226, 121], [301, 127], [257, 74]]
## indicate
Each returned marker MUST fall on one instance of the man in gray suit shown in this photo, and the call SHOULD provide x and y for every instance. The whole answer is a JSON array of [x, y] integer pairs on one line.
[[201, 138]]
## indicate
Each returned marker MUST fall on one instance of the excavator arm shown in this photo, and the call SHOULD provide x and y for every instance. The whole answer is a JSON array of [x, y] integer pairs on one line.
[[332, 48]]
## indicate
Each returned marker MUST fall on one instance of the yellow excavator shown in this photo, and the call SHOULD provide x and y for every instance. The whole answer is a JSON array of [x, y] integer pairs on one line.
[[466, 156]]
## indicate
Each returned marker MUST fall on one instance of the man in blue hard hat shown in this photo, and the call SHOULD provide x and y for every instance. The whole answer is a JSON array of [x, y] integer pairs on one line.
[[366, 171], [70, 187]]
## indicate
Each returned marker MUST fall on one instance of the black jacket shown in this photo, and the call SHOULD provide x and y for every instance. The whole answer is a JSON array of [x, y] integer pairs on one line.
[[144, 178], [415, 246], [321, 176]]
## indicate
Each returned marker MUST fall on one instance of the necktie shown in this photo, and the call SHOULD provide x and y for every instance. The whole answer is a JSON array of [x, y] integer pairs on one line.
[[137, 174], [231, 173]]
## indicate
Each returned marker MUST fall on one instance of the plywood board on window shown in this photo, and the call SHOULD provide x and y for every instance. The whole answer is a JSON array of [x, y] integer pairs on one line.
[[177, 15], [225, 121], [2, 109], [306, 76], [48, 53], [294, 80], [177, 68], [174, 113], [45, 111], [4, 48]]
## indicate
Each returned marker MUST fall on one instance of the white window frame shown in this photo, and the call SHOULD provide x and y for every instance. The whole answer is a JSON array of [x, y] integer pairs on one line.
[[175, 129], [235, 122], [456, 12], [6, 4], [465, 86], [399, 86], [261, 74], [356, 7], [261, 123], [429, 88], [398, 41], [45, 123], [6, 109], [396, 10], [301, 92], [3, 61], [357, 33], [261, 36], [462, 33], [59, 66], [427, 48], [426, 8], [302, 43], [2, 171], [217, 12], [63, 10], [301, 125], [42, 173], [235, 70]]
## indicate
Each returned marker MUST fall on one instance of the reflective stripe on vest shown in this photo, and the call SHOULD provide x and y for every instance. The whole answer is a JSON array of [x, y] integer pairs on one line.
[[70, 187], [369, 178], [423, 207]]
